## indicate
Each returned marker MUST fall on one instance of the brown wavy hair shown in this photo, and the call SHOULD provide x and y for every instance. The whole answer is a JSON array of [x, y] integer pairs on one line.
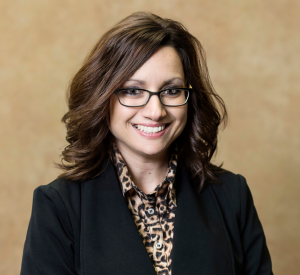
[[117, 55]]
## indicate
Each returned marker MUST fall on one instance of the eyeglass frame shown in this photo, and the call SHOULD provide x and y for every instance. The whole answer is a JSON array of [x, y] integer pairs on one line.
[[116, 92]]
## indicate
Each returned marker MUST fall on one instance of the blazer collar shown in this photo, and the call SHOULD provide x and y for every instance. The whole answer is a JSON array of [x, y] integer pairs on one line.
[[111, 244]]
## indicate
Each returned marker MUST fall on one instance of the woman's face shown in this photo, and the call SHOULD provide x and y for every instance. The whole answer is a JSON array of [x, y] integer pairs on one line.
[[162, 70]]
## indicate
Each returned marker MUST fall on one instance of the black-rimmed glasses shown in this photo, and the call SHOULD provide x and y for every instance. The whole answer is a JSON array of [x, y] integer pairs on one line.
[[172, 97]]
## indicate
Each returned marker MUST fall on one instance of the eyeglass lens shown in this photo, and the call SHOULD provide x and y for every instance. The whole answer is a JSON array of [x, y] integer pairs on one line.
[[170, 97]]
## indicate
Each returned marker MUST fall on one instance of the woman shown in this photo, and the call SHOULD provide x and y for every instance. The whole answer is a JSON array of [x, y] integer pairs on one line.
[[138, 194]]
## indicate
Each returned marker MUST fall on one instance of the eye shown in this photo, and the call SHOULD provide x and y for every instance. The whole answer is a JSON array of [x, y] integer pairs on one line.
[[132, 92], [171, 91]]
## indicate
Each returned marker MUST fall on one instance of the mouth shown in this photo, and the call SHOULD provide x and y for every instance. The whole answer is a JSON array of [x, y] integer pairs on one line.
[[150, 130]]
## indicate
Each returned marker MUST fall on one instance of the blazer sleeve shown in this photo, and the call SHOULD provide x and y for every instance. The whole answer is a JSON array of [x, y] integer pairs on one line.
[[256, 255], [49, 245]]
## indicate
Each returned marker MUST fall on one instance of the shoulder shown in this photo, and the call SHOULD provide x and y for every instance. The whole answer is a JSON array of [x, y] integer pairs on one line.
[[60, 197], [232, 192], [59, 188], [68, 194], [229, 182]]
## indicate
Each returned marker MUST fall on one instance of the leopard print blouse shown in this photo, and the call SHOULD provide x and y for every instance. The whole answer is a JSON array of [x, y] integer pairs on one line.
[[154, 213]]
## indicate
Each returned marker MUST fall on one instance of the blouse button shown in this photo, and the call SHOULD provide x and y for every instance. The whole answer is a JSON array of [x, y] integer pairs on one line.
[[158, 245], [150, 211]]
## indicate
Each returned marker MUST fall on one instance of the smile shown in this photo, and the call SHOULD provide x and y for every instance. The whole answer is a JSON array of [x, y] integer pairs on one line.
[[149, 130]]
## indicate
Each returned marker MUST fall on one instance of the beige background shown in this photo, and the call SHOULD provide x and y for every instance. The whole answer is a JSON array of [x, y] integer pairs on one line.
[[253, 57]]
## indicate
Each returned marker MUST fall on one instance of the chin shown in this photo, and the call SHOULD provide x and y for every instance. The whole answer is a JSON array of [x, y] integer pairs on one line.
[[152, 150]]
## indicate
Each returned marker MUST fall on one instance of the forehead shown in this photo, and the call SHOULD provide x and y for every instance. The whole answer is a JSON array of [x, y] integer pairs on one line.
[[164, 64]]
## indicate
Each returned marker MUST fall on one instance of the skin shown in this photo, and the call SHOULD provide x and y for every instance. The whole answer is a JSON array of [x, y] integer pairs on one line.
[[147, 156]]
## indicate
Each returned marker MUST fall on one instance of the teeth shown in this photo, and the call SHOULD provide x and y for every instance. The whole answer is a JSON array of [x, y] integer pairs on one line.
[[150, 130]]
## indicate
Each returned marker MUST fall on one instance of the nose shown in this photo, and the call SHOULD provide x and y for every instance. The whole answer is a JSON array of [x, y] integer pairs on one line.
[[154, 110]]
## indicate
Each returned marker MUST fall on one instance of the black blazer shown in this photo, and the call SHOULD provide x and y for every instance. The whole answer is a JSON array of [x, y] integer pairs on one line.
[[87, 229]]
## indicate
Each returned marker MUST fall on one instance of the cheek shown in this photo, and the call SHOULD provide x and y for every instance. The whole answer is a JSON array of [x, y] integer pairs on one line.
[[182, 120], [181, 117], [120, 116]]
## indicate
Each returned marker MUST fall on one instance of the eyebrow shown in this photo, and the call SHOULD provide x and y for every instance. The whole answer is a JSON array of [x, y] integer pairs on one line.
[[136, 80], [142, 82]]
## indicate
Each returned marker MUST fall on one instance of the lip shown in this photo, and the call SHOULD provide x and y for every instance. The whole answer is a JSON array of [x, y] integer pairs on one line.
[[155, 135]]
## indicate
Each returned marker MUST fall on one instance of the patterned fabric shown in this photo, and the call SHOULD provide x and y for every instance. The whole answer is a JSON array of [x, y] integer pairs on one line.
[[153, 214]]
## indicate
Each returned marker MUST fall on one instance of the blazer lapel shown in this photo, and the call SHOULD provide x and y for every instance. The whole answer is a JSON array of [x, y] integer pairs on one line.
[[110, 242], [200, 244]]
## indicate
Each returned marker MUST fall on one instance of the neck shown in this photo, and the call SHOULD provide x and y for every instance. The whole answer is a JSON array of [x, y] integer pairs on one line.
[[146, 171]]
